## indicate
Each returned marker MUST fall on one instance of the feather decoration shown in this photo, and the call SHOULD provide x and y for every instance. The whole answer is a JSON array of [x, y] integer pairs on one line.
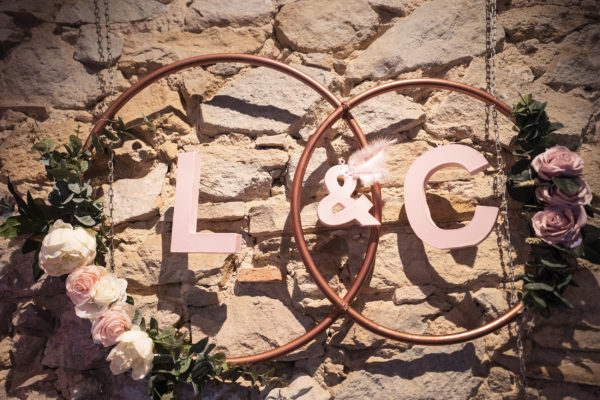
[[367, 164]]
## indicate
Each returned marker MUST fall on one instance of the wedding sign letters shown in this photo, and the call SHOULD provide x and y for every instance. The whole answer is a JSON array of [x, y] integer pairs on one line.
[[185, 239]]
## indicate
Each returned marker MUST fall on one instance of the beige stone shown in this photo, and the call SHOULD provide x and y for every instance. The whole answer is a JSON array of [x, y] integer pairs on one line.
[[542, 22], [231, 211], [316, 26], [264, 274], [459, 116], [239, 327], [156, 99], [260, 102], [410, 44], [271, 218], [174, 46], [204, 14], [52, 75], [388, 115], [138, 199]]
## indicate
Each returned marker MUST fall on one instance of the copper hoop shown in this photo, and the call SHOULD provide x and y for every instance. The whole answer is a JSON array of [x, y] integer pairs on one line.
[[370, 257], [334, 101]]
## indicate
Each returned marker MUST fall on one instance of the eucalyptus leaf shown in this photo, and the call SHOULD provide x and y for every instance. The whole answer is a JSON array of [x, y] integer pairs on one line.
[[45, 146], [538, 286]]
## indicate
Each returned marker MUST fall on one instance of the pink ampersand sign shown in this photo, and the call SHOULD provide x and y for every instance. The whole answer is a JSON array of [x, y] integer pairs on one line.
[[185, 239], [417, 210], [354, 209]]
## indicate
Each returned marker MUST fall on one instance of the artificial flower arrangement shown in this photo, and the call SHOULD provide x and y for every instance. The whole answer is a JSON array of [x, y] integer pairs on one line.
[[547, 180], [69, 241]]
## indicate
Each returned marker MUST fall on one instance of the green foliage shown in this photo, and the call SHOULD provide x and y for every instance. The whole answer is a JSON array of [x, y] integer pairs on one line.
[[180, 362], [533, 124], [550, 272], [72, 199]]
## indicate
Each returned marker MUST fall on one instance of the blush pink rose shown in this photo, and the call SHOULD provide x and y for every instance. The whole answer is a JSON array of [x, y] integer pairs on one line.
[[560, 225], [557, 160], [553, 196], [80, 283], [112, 323]]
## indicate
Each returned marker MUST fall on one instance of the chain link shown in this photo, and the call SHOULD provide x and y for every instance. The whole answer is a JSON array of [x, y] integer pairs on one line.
[[490, 67], [110, 87]]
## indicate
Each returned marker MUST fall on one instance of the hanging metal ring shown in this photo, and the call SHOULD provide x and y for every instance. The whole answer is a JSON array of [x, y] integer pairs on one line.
[[370, 257], [327, 95]]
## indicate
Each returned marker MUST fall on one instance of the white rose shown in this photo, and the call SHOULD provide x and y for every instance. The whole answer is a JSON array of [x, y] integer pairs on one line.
[[64, 248], [108, 290], [135, 351]]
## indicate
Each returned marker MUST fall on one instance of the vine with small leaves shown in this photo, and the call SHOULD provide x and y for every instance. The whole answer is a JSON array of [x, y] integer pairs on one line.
[[75, 200], [549, 270]]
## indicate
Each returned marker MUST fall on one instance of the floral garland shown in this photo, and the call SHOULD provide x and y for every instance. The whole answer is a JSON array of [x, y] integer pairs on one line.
[[69, 240], [547, 180]]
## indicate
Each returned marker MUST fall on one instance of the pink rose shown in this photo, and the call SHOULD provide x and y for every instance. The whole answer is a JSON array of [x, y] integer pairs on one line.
[[112, 323], [553, 196], [80, 283], [555, 161], [560, 225]]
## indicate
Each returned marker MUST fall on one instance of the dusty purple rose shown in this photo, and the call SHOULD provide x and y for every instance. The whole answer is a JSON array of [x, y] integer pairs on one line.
[[553, 196], [555, 161], [560, 225]]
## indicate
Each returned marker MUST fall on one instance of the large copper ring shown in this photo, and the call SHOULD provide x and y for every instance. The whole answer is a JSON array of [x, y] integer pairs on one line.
[[327, 95], [342, 304]]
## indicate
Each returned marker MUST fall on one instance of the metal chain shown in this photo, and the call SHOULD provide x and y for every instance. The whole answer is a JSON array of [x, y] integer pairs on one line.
[[111, 166], [490, 67]]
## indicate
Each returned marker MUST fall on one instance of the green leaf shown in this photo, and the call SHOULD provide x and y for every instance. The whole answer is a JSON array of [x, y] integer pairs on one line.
[[552, 263], [10, 228], [149, 123], [153, 324], [45, 146], [538, 300], [129, 300], [163, 362], [30, 245], [554, 126], [75, 187], [562, 299], [538, 286], [59, 173], [137, 317], [22, 206], [98, 146], [37, 271], [142, 324], [85, 220], [76, 143], [567, 185], [199, 346], [109, 135], [565, 282]]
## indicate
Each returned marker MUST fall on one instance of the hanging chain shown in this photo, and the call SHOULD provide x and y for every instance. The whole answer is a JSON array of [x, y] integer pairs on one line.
[[490, 68], [111, 167]]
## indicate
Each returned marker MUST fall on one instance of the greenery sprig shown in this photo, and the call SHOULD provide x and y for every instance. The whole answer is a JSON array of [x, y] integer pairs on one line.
[[549, 270]]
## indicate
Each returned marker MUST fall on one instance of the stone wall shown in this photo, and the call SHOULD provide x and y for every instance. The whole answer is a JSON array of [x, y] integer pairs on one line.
[[250, 126]]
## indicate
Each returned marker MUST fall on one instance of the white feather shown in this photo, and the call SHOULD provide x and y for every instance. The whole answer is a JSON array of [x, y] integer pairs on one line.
[[367, 164]]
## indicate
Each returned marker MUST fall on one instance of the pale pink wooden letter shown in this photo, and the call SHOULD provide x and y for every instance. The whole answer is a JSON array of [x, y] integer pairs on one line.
[[185, 239], [417, 209]]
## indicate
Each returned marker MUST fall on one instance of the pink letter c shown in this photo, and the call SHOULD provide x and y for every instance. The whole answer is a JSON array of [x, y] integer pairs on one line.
[[418, 212]]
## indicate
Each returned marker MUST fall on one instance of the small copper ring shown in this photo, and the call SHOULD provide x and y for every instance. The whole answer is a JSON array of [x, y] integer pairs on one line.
[[370, 257]]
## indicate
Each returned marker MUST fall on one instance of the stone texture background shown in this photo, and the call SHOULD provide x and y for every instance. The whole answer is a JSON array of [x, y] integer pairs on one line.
[[250, 126]]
